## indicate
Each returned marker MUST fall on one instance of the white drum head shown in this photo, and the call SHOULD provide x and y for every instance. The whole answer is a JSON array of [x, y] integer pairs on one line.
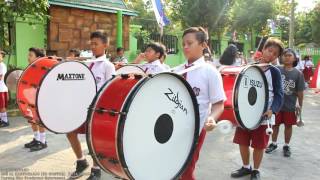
[[251, 97], [160, 129], [64, 96], [130, 69], [12, 78]]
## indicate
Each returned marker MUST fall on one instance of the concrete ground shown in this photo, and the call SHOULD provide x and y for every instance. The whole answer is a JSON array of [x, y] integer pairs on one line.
[[219, 155]]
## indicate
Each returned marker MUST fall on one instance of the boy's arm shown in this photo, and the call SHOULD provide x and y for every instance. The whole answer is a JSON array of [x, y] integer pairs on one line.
[[217, 98], [216, 111], [277, 90], [300, 98]]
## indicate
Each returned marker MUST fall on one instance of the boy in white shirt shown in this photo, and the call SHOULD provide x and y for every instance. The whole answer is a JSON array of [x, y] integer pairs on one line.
[[3, 93], [206, 83], [153, 53], [102, 70]]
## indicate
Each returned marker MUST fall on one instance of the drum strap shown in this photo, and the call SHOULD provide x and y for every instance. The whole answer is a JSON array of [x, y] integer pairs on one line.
[[91, 65], [192, 68]]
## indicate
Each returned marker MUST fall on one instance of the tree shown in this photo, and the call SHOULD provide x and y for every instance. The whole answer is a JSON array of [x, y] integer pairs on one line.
[[315, 21], [303, 33], [145, 17], [210, 14], [252, 16], [10, 10]]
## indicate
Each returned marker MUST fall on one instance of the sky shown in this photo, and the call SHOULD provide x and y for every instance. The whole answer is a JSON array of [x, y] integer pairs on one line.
[[304, 5]]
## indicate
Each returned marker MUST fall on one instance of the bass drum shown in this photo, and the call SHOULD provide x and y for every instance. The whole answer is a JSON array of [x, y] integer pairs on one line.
[[247, 94], [140, 122]]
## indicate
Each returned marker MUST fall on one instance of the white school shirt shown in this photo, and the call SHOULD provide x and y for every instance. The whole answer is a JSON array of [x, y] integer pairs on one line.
[[300, 65], [206, 83], [308, 64], [3, 71], [153, 67], [102, 70]]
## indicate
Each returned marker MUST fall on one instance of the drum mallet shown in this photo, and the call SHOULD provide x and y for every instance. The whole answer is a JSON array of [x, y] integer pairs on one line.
[[269, 130], [224, 126]]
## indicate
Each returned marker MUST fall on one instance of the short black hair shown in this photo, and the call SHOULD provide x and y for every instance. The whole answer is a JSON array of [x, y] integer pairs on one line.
[[100, 35], [274, 42], [120, 49], [3, 53], [289, 50], [76, 52], [157, 47], [201, 34], [37, 51], [229, 55]]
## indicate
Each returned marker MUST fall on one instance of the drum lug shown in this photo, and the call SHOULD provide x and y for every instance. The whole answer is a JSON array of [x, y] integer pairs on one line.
[[44, 68], [24, 82], [125, 76], [113, 161], [137, 76], [33, 65], [112, 112], [34, 86], [21, 102], [31, 105]]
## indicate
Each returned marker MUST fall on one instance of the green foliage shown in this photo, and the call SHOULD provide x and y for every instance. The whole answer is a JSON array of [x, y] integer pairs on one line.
[[11, 10], [315, 21], [251, 15]]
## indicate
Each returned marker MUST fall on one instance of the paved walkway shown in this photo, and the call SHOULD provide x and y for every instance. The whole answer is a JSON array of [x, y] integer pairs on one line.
[[218, 158]]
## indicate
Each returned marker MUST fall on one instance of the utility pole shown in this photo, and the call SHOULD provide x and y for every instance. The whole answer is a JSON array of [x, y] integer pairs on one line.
[[291, 30]]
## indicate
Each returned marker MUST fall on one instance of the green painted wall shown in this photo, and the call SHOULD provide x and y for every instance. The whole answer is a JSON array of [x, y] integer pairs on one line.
[[27, 36]]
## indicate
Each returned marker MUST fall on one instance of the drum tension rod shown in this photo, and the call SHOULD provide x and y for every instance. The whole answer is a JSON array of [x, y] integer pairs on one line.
[[31, 105], [100, 156], [21, 102], [34, 86], [113, 161], [24, 82], [125, 76], [44, 68], [138, 76], [33, 65], [112, 112]]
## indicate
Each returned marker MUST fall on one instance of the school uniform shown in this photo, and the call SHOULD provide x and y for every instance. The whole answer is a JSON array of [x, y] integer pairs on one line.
[[258, 138], [3, 87], [102, 70], [153, 67], [206, 83]]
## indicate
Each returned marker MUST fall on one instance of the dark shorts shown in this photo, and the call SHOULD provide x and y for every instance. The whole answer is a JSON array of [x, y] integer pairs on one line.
[[287, 118], [82, 129], [257, 138], [4, 100]]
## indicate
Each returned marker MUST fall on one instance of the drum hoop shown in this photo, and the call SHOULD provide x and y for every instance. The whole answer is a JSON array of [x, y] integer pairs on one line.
[[10, 71], [236, 92], [22, 74], [131, 65], [126, 107], [38, 90], [90, 113], [89, 123]]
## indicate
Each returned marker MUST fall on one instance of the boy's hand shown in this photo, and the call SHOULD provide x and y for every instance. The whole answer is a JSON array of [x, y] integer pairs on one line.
[[298, 108], [140, 58], [268, 114], [210, 124]]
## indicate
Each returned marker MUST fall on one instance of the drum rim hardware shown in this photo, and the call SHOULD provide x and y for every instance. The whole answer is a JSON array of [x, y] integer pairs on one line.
[[118, 141], [236, 92], [126, 107], [40, 83]]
